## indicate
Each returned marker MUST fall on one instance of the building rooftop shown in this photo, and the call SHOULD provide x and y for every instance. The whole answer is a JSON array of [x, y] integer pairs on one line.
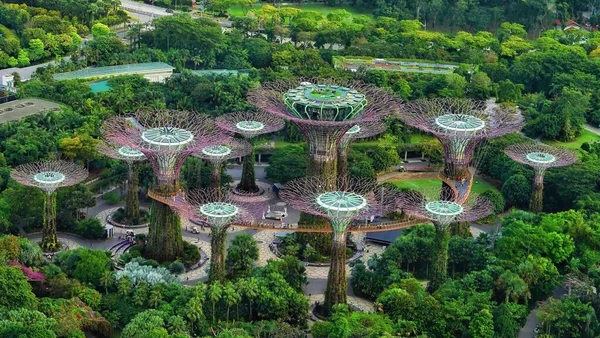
[[136, 68], [15, 110]]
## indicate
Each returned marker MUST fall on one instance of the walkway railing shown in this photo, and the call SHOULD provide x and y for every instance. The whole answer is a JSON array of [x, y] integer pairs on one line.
[[356, 227]]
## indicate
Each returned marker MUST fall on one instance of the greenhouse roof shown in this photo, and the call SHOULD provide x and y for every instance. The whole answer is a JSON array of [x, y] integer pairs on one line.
[[137, 68], [216, 72]]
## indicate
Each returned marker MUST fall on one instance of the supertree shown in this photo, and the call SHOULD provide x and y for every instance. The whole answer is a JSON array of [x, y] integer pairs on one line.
[[49, 176], [358, 131], [129, 156], [249, 125], [324, 110], [215, 207], [439, 206], [341, 202], [460, 124], [166, 138], [220, 151], [539, 157]]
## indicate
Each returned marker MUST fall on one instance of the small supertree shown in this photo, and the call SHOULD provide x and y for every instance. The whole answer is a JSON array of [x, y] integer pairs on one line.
[[215, 207], [249, 125], [324, 110], [129, 156], [539, 157], [166, 138], [460, 124], [439, 206], [220, 151], [49, 176], [341, 203], [361, 130]]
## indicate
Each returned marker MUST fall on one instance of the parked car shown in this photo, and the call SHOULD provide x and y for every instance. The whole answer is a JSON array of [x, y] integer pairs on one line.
[[276, 215], [195, 230]]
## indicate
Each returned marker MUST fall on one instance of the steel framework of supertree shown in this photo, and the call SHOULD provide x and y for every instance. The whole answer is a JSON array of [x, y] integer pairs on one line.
[[324, 110], [49, 176], [358, 131], [130, 157], [340, 202], [539, 157], [438, 206], [166, 138], [220, 151], [460, 124], [249, 125], [215, 207]]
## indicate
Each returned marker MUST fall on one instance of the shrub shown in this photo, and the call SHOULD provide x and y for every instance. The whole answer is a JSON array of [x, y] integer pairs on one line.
[[90, 228], [138, 273], [496, 198], [191, 254], [111, 198], [176, 268]]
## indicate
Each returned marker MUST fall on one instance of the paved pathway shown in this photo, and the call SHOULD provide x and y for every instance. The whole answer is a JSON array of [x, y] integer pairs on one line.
[[592, 129]]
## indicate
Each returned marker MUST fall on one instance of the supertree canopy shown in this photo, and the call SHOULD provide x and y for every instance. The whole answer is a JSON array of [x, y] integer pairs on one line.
[[440, 207], [358, 131], [129, 156], [249, 125], [539, 157], [340, 203], [215, 207], [460, 124], [49, 176], [166, 138], [324, 110], [220, 151]]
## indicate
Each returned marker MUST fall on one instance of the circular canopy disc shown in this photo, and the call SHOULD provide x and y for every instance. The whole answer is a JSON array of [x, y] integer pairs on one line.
[[167, 137], [216, 151], [49, 177], [309, 99], [460, 123], [249, 126], [539, 157], [219, 210], [341, 202], [444, 209], [130, 153], [354, 130]]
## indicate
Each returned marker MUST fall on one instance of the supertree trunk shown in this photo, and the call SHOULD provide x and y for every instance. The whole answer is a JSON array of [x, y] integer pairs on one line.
[[342, 163], [537, 192], [216, 175], [336, 280], [132, 201], [50, 241], [323, 168], [164, 242], [439, 270], [217, 259], [248, 181]]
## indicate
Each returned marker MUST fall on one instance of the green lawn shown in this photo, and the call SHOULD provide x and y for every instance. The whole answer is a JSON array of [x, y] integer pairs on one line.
[[586, 136], [479, 185], [324, 10]]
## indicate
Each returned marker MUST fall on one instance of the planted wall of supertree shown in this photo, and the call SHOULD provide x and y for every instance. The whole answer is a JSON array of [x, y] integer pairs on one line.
[[438, 206], [249, 125], [220, 151], [49, 176], [460, 124], [166, 138], [216, 208], [130, 157], [539, 157], [341, 203], [358, 131]]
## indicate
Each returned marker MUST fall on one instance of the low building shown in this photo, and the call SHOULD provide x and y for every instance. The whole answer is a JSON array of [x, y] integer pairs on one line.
[[153, 71]]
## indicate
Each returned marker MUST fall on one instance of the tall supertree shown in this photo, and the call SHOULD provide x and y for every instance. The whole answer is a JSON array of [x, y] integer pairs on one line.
[[166, 138], [438, 206], [131, 157], [324, 110], [539, 157], [220, 151], [49, 176], [341, 202], [359, 131], [249, 125], [215, 207], [460, 124]]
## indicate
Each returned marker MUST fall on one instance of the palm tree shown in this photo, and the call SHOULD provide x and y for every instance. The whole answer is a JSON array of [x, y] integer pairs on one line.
[[241, 254], [194, 311], [124, 286], [214, 293], [514, 287], [107, 280], [231, 296], [155, 296], [251, 290]]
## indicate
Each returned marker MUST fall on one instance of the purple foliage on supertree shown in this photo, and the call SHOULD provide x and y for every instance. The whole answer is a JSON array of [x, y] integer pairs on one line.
[[166, 137], [119, 152], [346, 200], [250, 124], [540, 156], [362, 130], [460, 124], [224, 149], [217, 208], [49, 175], [438, 206]]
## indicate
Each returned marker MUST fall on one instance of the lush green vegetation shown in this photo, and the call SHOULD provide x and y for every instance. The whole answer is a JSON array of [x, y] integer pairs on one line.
[[585, 137]]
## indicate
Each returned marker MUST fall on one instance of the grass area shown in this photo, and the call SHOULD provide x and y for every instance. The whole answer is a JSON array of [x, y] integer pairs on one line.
[[418, 138], [322, 9], [479, 185], [586, 136]]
